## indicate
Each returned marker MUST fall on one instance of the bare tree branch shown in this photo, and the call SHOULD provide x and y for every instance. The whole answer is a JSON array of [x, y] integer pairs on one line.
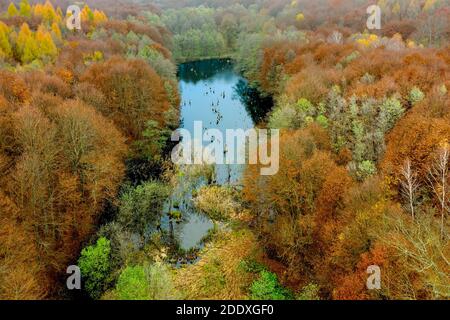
[[438, 179], [408, 187]]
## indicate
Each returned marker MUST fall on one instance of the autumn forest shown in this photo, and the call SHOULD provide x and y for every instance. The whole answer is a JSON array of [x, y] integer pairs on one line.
[[87, 117]]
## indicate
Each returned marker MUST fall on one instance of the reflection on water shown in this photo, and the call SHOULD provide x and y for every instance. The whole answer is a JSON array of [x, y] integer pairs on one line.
[[256, 105], [194, 72], [212, 92]]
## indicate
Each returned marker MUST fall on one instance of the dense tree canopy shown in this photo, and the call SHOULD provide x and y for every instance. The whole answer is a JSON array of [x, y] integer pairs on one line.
[[364, 179], [67, 126]]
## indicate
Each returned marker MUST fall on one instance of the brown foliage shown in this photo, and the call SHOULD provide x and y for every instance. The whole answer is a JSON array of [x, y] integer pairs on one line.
[[423, 70], [124, 27], [405, 27], [310, 84], [286, 203], [353, 286], [20, 273], [62, 161], [416, 138], [46, 83], [330, 201], [134, 93], [13, 88], [435, 105]]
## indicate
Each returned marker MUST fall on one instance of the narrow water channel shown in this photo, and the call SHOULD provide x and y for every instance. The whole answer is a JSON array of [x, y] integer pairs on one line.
[[215, 94]]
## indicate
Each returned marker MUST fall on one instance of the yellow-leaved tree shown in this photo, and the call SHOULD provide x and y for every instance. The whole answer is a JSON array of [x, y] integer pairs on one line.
[[12, 10], [300, 17], [429, 5], [5, 45], [38, 10], [99, 17], [26, 45], [49, 14], [396, 8], [56, 31], [46, 47], [87, 14]]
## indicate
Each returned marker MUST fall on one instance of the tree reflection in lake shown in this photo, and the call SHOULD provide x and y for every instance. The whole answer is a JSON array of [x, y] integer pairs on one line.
[[256, 104]]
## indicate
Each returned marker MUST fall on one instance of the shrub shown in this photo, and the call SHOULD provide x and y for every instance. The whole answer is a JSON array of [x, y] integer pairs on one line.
[[142, 206], [304, 105], [132, 284], [415, 95], [285, 117], [322, 121], [348, 59], [309, 292], [94, 264], [251, 266], [214, 277], [160, 282], [153, 141], [145, 283], [123, 244], [391, 111], [366, 169]]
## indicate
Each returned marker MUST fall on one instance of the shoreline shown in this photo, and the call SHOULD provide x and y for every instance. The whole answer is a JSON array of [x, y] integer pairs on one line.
[[199, 59]]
